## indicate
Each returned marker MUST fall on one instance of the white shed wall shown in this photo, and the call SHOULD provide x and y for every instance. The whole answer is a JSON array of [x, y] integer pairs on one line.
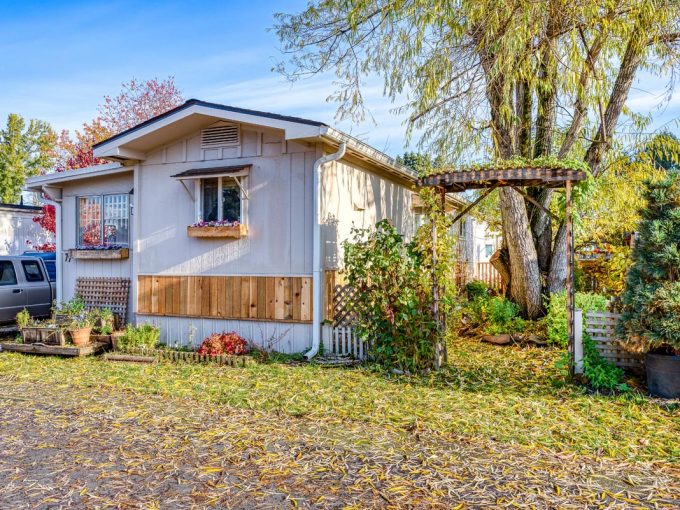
[[16, 228], [355, 197], [283, 337]]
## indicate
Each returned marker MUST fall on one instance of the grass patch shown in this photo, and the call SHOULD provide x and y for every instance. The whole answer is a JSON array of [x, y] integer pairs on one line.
[[510, 394]]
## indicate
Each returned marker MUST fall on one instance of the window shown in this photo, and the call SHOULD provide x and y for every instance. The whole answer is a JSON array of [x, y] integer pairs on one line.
[[7, 274], [32, 271], [220, 199], [488, 250], [103, 220]]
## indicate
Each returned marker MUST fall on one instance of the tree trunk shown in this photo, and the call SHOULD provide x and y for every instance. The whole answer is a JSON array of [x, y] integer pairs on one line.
[[557, 277], [501, 263], [525, 285]]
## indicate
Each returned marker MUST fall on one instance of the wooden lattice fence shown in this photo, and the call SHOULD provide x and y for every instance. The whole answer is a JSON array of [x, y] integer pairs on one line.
[[106, 292], [601, 327], [340, 336]]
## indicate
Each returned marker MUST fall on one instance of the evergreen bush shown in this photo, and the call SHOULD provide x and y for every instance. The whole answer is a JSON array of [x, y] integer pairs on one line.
[[651, 298]]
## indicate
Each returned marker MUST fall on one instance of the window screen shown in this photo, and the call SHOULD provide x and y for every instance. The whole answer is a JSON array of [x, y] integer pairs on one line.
[[104, 220], [231, 203], [226, 207], [90, 221], [32, 271], [7, 274], [116, 219], [210, 202]]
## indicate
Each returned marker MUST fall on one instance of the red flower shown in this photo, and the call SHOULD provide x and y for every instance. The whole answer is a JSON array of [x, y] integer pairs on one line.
[[224, 343]]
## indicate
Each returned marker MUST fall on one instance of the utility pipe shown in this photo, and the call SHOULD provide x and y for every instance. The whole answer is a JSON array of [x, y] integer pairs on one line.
[[58, 244], [318, 276]]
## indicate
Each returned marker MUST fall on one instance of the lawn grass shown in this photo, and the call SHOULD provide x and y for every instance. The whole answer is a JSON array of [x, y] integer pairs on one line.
[[509, 394]]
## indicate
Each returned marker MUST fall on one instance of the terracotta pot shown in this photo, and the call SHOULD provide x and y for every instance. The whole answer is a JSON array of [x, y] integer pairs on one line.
[[663, 375], [80, 337]]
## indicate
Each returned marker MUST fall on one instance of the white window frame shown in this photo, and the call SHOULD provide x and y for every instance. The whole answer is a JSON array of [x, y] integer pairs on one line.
[[101, 236], [240, 181]]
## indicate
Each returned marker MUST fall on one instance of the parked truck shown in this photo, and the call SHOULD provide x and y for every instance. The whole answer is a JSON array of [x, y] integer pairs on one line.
[[24, 283]]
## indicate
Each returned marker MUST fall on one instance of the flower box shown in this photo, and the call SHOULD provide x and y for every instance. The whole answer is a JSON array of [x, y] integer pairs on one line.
[[232, 231], [99, 254]]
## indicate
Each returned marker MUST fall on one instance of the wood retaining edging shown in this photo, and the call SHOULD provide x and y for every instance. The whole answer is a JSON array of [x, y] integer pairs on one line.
[[187, 356]]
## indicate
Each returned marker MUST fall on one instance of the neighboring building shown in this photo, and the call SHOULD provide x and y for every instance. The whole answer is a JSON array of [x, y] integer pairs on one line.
[[18, 231], [264, 277]]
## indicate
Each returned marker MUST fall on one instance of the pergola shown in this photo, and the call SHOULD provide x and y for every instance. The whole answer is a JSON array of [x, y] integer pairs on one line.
[[489, 179]]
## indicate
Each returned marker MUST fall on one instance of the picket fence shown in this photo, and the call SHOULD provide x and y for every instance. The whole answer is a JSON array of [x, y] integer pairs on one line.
[[339, 336]]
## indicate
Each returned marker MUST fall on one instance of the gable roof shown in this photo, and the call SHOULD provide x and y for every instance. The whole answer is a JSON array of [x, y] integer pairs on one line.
[[134, 143], [226, 108]]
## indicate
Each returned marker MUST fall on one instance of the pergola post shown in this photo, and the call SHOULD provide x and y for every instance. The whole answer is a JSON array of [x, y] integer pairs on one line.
[[570, 279], [435, 293]]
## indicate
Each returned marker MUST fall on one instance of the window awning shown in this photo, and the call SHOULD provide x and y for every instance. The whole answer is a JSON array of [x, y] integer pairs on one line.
[[205, 173]]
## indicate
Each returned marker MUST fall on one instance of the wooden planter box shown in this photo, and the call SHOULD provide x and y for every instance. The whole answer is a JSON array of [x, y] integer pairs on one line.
[[118, 254], [44, 335], [217, 232]]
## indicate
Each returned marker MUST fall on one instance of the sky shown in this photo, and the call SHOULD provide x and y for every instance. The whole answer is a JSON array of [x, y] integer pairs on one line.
[[59, 59]]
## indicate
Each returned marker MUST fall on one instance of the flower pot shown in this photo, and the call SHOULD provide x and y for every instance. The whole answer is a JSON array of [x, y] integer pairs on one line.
[[80, 337], [663, 375]]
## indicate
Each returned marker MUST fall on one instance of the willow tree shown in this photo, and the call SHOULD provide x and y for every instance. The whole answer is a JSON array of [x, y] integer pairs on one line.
[[510, 78]]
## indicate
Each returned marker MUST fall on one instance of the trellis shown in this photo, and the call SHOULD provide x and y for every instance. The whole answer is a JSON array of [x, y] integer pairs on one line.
[[489, 179], [105, 292]]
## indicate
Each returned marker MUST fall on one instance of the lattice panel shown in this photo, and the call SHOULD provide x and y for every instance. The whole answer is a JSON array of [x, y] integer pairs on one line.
[[111, 293], [343, 297]]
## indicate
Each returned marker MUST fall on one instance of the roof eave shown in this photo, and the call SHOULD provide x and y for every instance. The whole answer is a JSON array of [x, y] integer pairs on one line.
[[379, 158], [56, 178]]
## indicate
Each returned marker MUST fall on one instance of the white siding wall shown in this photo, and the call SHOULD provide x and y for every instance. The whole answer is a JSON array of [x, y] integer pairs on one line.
[[120, 183], [283, 337], [279, 209], [356, 197], [16, 228]]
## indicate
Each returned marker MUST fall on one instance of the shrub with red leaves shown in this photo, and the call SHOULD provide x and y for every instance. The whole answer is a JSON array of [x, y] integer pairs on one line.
[[224, 343]]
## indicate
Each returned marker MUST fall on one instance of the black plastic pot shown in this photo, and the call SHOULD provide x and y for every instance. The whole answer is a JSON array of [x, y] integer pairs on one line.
[[663, 375]]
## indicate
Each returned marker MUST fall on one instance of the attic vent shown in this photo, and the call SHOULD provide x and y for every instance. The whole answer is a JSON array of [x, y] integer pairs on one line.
[[220, 135]]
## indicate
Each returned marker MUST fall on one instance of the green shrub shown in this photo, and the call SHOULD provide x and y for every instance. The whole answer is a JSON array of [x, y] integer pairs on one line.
[[393, 302], [600, 374], [143, 336], [73, 308], [477, 289], [502, 316], [557, 313], [23, 319], [493, 315]]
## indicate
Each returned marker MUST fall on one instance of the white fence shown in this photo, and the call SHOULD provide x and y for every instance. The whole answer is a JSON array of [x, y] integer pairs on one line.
[[343, 341], [601, 327]]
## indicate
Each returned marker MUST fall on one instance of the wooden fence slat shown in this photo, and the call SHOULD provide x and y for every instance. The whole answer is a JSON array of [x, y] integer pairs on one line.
[[601, 326]]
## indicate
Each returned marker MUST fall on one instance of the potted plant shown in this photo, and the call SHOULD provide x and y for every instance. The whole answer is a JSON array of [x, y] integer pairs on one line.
[[79, 328], [651, 299]]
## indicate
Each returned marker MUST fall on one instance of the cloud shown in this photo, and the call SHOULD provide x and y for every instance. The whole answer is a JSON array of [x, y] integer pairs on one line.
[[382, 128]]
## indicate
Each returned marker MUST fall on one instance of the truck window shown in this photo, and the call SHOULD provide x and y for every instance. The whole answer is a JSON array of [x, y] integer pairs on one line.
[[32, 271], [7, 274]]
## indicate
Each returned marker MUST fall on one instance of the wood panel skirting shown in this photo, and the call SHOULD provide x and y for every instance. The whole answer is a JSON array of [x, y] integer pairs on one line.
[[268, 298]]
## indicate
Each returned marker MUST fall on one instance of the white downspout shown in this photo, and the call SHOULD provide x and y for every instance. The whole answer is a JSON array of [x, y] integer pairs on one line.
[[317, 276], [58, 244]]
